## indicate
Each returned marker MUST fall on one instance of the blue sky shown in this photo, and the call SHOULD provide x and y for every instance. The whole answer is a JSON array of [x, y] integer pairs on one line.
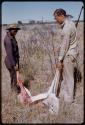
[[25, 11]]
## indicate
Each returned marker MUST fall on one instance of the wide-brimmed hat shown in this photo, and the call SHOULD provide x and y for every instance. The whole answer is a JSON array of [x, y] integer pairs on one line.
[[13, 26]]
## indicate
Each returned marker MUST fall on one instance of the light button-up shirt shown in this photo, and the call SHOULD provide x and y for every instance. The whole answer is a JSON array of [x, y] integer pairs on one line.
[[69, 42]]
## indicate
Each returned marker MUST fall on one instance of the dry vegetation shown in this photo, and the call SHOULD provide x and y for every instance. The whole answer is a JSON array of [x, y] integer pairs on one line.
[[36, 44]]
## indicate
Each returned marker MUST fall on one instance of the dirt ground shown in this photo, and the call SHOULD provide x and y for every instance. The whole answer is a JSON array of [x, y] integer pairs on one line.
[[13, 112]]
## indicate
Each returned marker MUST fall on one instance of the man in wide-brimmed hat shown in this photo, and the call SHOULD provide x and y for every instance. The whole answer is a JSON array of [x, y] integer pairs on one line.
[[12, 54]]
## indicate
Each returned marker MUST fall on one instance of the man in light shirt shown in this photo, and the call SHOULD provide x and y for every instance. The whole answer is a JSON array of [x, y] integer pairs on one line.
[[67, 54]]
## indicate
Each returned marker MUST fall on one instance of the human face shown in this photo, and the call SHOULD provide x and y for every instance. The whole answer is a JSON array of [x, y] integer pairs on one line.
[[59, 19], [13, 32]]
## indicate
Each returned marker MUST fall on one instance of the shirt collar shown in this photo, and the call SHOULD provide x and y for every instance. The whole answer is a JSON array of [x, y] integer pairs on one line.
[[62, 25]]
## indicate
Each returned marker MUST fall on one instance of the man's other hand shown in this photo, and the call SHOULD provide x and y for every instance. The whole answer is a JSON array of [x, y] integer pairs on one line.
[[60, 66], [16, 67]]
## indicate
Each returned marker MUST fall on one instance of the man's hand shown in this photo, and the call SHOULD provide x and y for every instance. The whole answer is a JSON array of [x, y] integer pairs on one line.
[[56, 50], [16, 67], [60, 66]]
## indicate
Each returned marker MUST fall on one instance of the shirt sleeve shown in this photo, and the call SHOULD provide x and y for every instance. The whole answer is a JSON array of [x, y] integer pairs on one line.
[[8, 48], [64, 45]]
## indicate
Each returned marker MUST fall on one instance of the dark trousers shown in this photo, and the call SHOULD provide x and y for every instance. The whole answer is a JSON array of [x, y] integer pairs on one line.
[[13, 78]]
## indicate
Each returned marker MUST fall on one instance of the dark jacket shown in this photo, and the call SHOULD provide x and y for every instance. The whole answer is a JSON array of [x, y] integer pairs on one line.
[[12, 51]]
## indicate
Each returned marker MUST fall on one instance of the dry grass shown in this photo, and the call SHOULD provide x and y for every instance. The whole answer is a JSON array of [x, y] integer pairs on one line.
[[12, 111]]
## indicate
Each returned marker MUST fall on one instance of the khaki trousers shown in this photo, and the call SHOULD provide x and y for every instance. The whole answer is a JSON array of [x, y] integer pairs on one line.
[[67, 84]]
